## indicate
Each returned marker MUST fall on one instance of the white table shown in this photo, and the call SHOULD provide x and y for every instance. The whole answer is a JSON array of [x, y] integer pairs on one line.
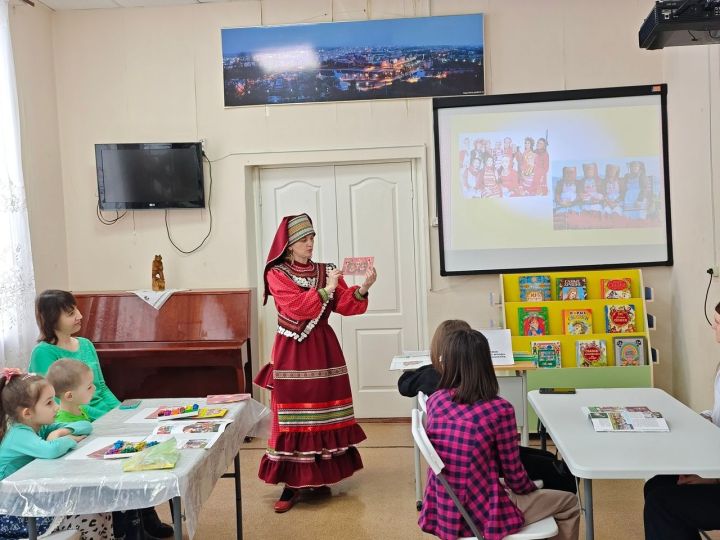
[[62, 487], [692, 446]]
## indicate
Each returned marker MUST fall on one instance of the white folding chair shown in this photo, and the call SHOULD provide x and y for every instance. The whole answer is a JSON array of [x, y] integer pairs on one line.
[[421, 400], [545, 528]]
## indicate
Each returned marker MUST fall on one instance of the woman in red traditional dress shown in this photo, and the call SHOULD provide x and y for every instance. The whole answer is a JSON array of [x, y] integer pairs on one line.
[[313, 429]]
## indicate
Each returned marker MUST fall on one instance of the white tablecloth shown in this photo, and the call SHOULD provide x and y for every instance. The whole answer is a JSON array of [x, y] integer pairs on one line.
[[62, 487]]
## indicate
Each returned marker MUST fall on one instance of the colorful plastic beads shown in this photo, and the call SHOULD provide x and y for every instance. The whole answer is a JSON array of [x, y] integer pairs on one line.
[[126, 447], [174, 411]]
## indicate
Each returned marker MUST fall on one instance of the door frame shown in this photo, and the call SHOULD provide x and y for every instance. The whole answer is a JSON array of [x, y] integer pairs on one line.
[[416, 155]]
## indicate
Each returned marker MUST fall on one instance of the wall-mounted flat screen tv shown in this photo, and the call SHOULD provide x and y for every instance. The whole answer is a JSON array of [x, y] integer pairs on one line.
[[553, 180], [150, 175]]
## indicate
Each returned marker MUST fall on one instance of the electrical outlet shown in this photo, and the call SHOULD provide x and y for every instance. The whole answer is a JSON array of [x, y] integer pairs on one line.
[[716, 271]]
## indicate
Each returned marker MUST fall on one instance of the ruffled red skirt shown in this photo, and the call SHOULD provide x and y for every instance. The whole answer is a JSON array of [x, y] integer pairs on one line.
[[313, 423]]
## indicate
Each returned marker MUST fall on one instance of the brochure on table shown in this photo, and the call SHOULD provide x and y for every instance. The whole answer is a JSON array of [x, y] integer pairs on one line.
[[625, 419]]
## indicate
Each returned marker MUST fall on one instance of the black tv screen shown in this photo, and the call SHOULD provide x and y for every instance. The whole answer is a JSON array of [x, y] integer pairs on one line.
[[150, 175], [553, 180]]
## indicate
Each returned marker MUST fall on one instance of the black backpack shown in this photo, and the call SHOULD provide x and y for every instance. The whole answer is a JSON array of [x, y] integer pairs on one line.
[[543, 465]]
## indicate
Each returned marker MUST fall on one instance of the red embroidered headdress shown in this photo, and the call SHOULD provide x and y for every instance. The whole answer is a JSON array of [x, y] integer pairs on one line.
[[290, 230]]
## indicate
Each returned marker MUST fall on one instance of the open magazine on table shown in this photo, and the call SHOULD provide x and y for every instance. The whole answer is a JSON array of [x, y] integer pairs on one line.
[[635, 418]]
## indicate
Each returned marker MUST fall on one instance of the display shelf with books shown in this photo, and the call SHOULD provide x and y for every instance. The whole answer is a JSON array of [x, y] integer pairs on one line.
[[597, 337]]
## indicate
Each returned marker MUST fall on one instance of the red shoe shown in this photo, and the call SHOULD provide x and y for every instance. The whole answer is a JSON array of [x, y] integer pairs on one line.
[[283, 506]]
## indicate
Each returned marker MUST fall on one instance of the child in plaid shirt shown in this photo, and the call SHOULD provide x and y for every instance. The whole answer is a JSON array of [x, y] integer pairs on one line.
[[474, 432]]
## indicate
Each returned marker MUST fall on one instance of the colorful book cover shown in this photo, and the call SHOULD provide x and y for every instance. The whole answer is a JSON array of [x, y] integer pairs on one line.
[[574, 288], [533, 321], [591, 352], [548, 353], [207, 412], [534, 288], [616, 288], [577, 321], [620, 319], [629, 351]]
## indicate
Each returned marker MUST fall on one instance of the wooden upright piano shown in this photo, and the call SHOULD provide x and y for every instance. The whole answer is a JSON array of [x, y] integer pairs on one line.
[[191, 346]]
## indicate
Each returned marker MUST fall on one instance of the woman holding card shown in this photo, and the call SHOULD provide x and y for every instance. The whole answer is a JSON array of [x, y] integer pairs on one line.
[[313, 426]]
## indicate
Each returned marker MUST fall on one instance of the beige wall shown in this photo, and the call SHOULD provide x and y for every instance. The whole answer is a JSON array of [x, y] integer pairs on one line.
[[155, 74], [694, 135], [34, 66]]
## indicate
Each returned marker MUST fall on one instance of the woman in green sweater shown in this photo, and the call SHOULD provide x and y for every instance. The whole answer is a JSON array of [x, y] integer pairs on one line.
[[58, 318]]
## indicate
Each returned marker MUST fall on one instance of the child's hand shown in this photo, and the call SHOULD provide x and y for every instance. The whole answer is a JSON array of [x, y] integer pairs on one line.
[[62, 432], [77, 438]]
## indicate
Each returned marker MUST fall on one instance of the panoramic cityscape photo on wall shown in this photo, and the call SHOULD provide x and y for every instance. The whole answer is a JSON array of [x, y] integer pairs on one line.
[[344, 61]]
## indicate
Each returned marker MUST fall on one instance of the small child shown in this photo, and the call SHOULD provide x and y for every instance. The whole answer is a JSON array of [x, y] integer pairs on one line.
[[27, 402], [474, 432], [74, 387]]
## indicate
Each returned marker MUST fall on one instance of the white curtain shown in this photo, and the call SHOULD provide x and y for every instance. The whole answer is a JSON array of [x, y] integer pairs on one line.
[[17, 283]]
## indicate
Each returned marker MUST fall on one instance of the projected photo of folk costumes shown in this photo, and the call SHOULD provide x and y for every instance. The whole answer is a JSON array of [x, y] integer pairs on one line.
[[473, 177], [496, 167], [636, 198], [491, 183], [509, 177], [589, 192], [613, 191], [630, 200], [566, 193], [538, 182], [314, 432]]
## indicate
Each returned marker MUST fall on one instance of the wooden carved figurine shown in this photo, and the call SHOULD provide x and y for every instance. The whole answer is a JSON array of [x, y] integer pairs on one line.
[[158, 277]]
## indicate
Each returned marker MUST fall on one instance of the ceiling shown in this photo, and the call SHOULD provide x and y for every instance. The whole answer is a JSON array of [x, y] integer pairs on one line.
[[61, 5]]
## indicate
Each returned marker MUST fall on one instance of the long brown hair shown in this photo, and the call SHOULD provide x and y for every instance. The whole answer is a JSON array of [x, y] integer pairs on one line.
[[17, 393], [49, 305], [439, 337], [467, 367]]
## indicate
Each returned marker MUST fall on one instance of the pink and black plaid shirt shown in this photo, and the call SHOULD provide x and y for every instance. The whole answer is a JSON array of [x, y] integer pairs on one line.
[[478, 444]]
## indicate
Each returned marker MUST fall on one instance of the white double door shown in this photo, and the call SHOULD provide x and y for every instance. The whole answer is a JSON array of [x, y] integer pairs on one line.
[[357, 210]]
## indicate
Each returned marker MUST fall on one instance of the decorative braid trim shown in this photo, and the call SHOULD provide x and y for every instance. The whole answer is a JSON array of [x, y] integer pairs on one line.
[[305, 332], [310, 373], [304, 457]]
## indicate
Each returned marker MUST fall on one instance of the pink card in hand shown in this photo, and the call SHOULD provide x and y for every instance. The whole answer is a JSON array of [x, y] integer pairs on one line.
[[357, 266], [226, 398]]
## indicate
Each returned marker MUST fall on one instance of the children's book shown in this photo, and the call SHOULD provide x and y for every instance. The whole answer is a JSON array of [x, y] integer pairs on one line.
[[548, 353], [522, 356], [574, 288], [207, 412], [577, 321], [629, 351], [534, 288], [626, 419], [190, 434], [616, 288], [591, 352], [620, 318], [533, 321]]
